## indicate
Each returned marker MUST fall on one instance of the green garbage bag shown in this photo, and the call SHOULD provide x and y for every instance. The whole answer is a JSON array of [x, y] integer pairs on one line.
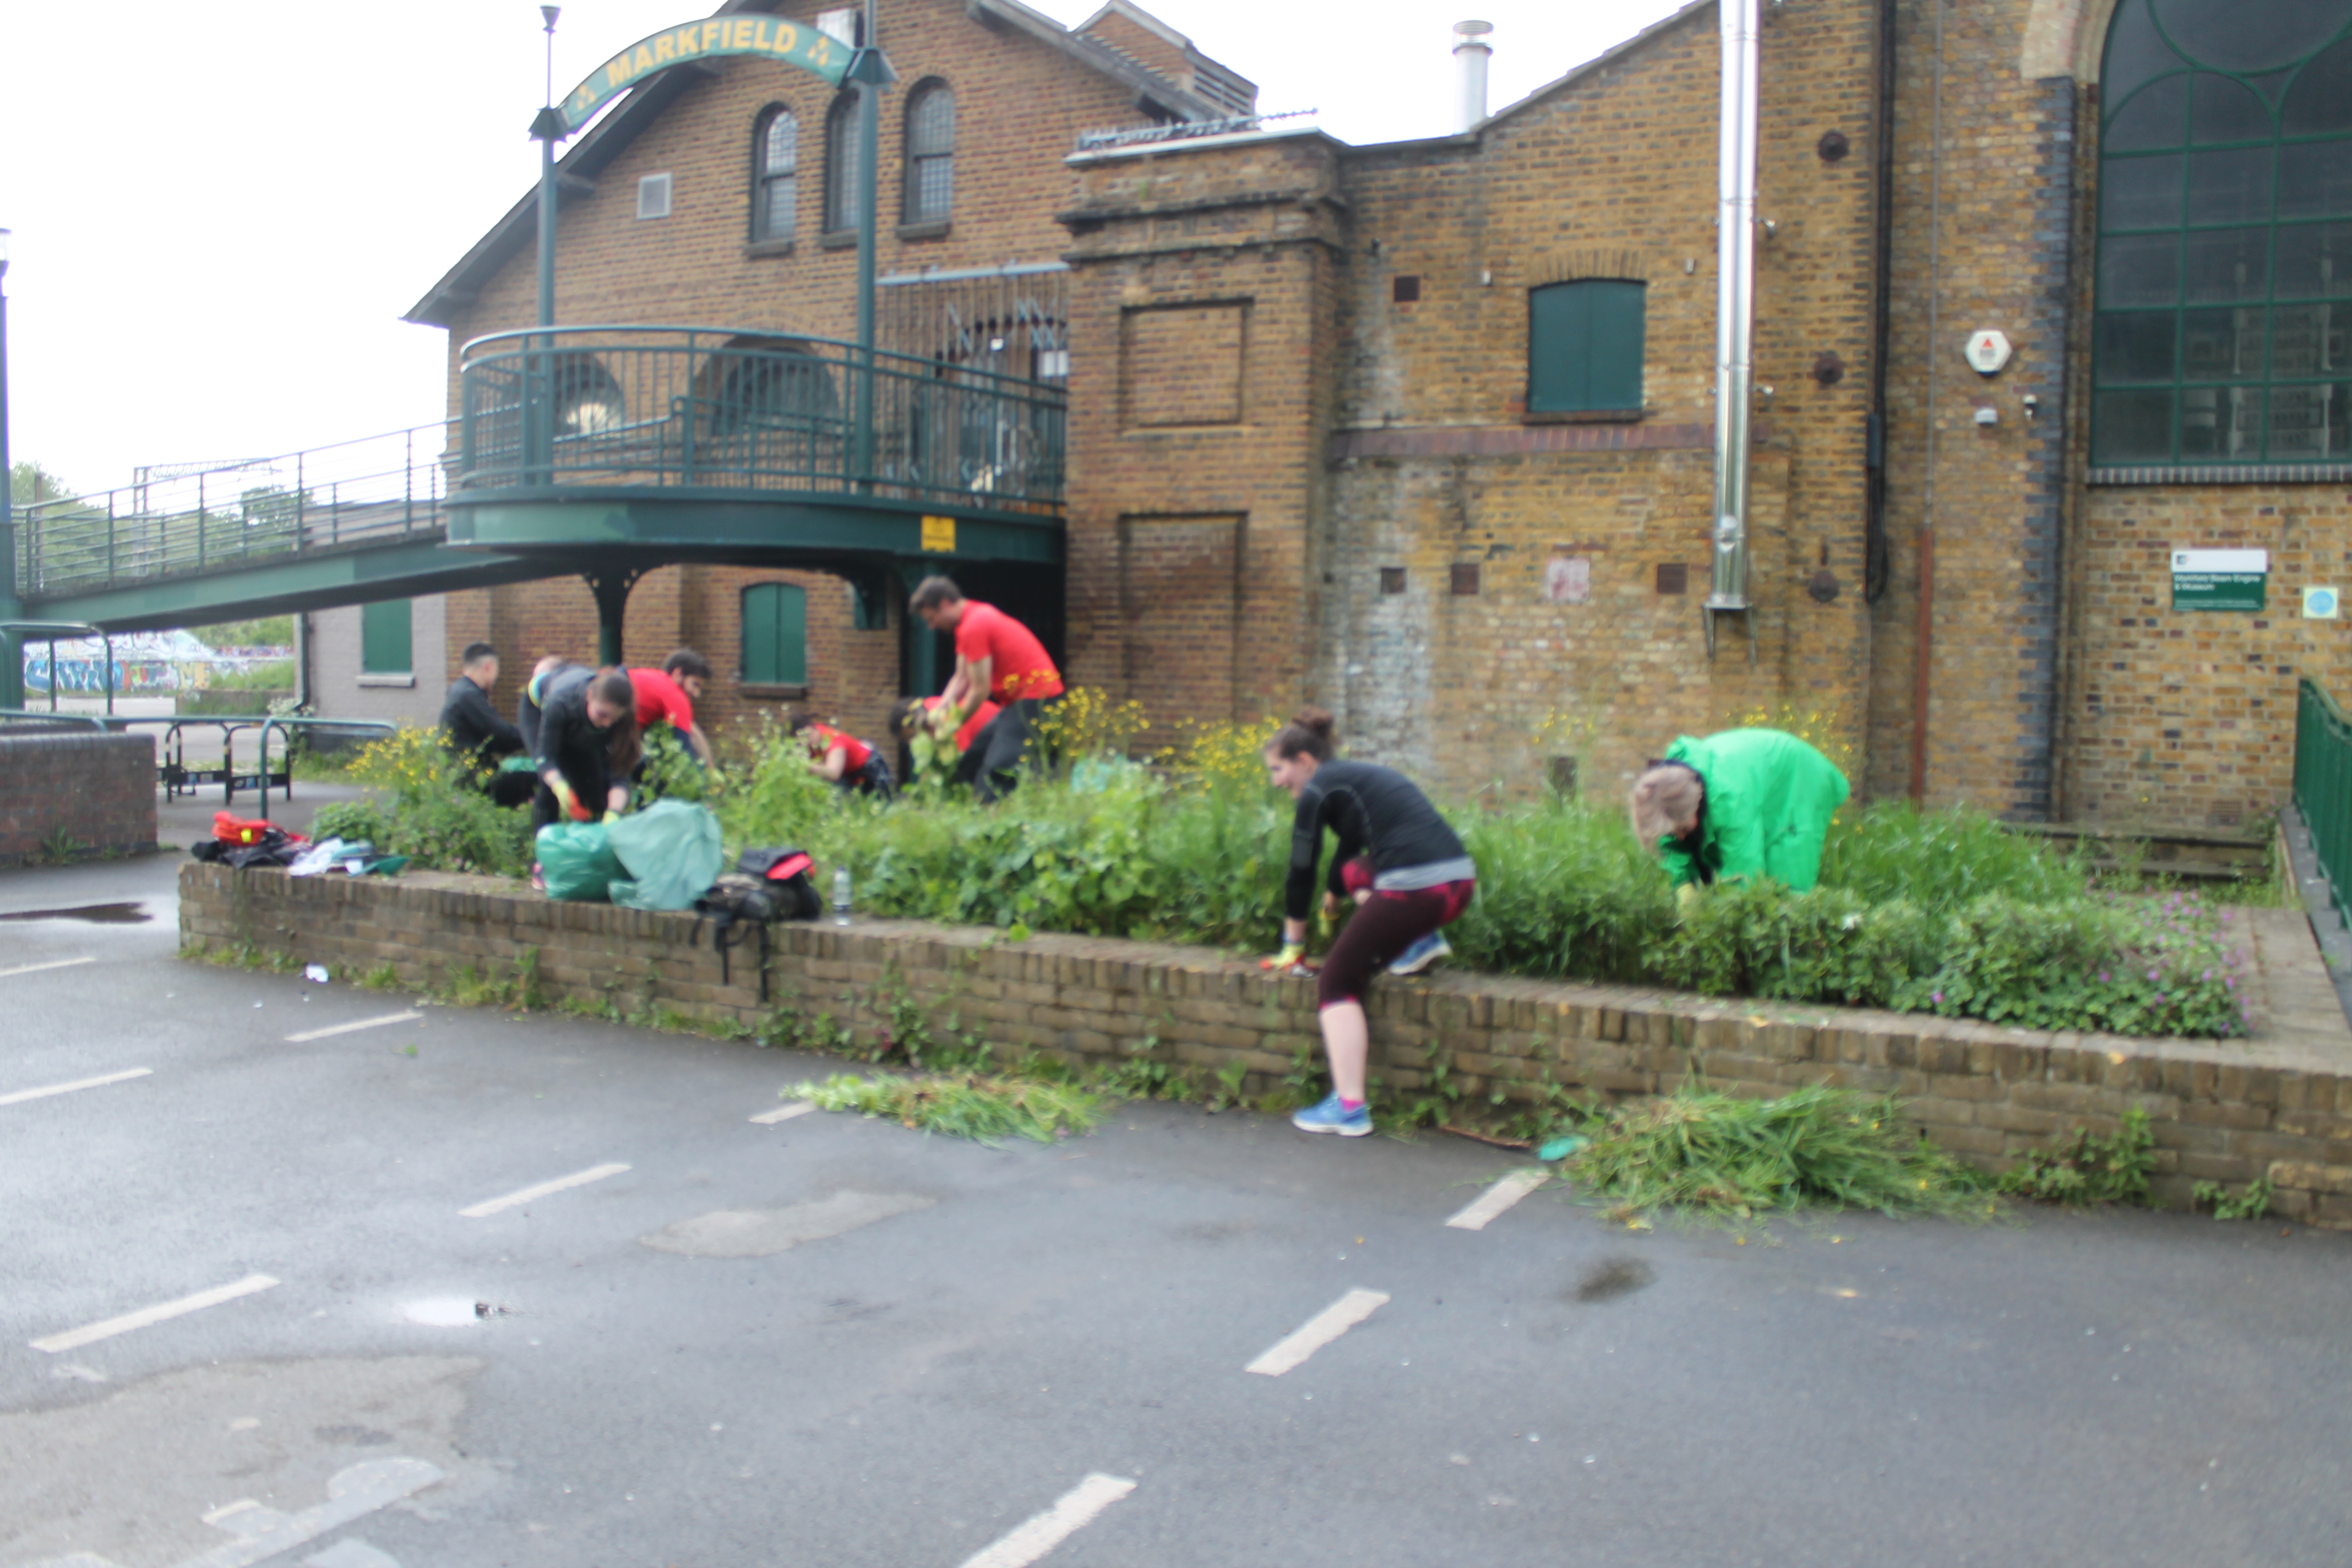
[[576, 861], [669, 853]]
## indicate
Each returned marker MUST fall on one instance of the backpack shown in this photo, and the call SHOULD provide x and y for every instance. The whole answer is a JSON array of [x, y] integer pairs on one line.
[[767, 885], [785, 874]]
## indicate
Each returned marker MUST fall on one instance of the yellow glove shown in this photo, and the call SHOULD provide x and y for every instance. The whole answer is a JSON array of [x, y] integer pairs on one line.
[[568, 801], [611, 818], [1686, 897]]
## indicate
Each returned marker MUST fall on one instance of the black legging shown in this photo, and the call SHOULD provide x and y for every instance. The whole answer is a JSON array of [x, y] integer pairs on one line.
[[1383, 927], [993, 765]]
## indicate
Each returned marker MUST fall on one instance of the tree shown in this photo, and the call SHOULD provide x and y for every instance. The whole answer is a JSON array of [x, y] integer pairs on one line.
[[29, 482]]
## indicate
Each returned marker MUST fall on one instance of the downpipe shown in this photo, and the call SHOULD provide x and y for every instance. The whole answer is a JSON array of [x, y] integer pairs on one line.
[[1735, 317]]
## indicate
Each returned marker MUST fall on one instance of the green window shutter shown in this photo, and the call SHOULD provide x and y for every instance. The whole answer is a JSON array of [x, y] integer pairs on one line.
[[775, 635], [1585, 342], [386, 646]]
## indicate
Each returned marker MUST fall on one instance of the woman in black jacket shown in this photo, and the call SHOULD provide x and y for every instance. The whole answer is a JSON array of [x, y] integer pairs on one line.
[[588, 744], [1404, 866]]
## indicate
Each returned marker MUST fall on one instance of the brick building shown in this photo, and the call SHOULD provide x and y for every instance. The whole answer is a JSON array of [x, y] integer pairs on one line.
[[1423, 431]]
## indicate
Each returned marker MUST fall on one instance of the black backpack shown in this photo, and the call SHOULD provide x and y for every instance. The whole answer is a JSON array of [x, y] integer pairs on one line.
[[767, 885]]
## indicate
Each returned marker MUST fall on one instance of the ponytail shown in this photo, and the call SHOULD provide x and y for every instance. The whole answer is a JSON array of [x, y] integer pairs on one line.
[[1311, 732], [626, 745]]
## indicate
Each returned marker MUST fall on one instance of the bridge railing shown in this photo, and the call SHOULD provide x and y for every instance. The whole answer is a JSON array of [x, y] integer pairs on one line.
[[373, 489], [724, 408]]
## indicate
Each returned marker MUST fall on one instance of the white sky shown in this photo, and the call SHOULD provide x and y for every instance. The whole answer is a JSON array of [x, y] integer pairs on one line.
[[221, 211]]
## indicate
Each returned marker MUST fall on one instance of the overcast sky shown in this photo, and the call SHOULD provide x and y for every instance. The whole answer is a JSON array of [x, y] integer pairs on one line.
[[220, 211]]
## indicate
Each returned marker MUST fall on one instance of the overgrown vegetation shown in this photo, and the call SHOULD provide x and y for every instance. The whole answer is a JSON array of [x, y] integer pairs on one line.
[[1934, 912], [2083, 1167], [1709, 1154], [985, 1109]]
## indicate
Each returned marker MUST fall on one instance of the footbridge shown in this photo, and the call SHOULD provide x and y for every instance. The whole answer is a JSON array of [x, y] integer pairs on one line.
[[601, 452]]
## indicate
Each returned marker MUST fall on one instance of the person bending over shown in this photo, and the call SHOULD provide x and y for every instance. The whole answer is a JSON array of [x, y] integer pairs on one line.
[[997, 659], [472, 729], [548, 675], [1419, 878], [1741, 803], [588, 745], [844, 759], [670, 693], [911, 715]]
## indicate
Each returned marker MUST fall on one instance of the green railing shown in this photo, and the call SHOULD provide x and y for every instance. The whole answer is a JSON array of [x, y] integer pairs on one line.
[[725, 409], [377, 489], [2322, 785]]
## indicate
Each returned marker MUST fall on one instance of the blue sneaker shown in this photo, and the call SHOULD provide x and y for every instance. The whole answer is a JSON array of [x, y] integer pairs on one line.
[[1329, 1116], [1429, 950]]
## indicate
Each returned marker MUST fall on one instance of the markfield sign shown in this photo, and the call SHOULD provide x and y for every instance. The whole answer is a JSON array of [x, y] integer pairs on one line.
[[773, 37], [2220, 579]]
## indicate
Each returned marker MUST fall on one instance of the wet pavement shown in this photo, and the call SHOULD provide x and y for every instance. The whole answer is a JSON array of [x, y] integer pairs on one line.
[[302, 1273]]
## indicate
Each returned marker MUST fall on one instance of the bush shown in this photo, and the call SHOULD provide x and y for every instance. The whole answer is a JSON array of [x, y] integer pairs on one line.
[[434, 811]]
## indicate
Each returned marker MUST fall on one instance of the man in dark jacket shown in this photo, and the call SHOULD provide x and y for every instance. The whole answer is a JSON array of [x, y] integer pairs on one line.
[[474, 730]]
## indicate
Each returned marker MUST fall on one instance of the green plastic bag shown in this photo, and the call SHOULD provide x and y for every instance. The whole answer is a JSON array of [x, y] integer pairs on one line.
[[669, 853], [576, 861]]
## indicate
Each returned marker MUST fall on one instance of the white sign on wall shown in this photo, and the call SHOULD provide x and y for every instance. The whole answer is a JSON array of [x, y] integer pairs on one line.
[[1988, 349], [1567, 579]]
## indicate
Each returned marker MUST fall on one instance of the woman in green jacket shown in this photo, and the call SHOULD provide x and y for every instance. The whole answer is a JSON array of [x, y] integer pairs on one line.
[[1746, 803]]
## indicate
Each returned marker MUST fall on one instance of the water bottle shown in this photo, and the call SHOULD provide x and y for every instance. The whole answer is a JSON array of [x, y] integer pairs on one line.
[[841, 895]]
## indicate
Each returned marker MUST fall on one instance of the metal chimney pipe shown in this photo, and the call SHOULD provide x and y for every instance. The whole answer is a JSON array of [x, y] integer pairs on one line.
[[1734, 303], [1470, 54]]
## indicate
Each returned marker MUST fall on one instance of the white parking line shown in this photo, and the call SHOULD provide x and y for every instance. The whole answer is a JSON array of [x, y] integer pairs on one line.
[[1076, 1510], [74, 1339], [37, 968], [577, 1179], [309, 1035], [781, 1113], [1514, 1186], [100, 1082], [1319, 1331]]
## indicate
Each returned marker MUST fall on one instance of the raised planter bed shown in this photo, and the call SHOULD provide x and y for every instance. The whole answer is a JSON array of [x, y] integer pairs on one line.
[[2226, 1112]]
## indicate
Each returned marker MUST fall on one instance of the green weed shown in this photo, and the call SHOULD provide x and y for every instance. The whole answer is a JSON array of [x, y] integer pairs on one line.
[[2251, 1204], [986, 1109], [2082, 1168]]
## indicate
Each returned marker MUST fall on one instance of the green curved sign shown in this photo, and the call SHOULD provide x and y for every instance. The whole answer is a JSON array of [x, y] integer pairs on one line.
[[771, 36]]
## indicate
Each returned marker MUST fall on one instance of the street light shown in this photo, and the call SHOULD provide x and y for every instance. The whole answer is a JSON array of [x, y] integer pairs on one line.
[[12, 657]]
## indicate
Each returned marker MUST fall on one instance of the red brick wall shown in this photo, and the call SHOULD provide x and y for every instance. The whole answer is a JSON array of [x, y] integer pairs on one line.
[[96, 791]]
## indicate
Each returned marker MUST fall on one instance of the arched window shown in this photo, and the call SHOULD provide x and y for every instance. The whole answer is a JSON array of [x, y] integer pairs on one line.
[[775, 635], [1584, 347], [930, 153], [841, 165], [2225, 235], [775, 173]]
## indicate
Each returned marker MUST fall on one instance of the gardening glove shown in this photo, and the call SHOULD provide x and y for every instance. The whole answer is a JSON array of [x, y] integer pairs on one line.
[[1292, 954], [611, 818], [569, 801], [1686, 897]]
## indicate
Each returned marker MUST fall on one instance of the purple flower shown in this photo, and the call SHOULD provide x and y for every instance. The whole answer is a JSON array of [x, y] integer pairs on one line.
[[1937, 998], [2103, 977]]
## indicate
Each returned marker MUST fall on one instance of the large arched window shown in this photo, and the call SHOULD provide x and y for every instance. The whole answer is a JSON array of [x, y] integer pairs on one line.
[[930, 153], [775, 173], [2225, 235], [841, 165]]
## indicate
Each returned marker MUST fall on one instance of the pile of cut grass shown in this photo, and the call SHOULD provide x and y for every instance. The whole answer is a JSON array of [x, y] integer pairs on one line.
[[984, 1109], [1712, 1155]]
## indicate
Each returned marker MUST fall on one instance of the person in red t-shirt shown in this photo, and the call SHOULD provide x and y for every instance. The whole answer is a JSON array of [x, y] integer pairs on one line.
[[670, 693], [844, 758], [999, 659]]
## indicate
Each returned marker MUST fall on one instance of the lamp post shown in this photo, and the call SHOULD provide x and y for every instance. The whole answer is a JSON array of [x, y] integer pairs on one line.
[[538, 380], [12, 652]]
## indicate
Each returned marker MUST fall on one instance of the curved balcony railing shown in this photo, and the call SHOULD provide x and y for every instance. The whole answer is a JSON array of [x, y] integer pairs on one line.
[[201, 518], [731, 409]]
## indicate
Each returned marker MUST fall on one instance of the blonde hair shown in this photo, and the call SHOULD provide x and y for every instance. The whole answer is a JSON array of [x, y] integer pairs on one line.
[[1664, 798]]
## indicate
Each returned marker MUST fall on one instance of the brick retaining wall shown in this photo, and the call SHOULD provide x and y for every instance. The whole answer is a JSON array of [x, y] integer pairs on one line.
[[2224, 1111], [99, 791]]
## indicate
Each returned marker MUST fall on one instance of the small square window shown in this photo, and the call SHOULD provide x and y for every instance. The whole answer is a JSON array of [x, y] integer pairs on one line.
[[1674, 577], [1405, 288], [1466, 577], [1391, 579], [653, 196], [841, 24]]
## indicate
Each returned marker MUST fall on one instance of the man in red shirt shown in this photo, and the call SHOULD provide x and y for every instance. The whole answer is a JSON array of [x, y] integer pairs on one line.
[[670, 693], [998, 659]]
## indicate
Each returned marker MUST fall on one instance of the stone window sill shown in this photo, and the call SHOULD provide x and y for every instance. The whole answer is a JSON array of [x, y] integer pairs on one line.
[[1586, 416], [935, 230], [760, 248], [839, 239], [759, 692], [387, 680]]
